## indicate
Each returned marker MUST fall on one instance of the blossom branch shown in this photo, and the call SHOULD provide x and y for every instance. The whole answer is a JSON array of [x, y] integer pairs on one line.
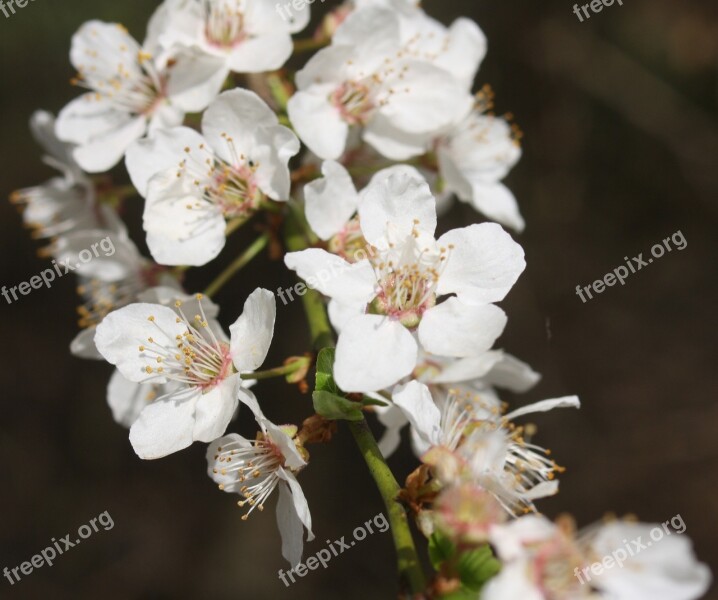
[[236, 265], [409, 566]]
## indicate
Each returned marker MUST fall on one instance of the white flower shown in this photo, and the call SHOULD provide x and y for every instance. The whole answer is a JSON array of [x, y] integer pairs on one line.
[[244, 36], [368, 77], [127, 399], [663, 568], [109, 281], [130, 91], [474, 156], [384, 297], [150, 343], [194, 182], [539, 562], [61, 204], [543, 560], [254, 468], [466, 438]]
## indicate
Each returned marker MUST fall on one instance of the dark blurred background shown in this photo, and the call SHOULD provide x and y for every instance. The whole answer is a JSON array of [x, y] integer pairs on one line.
[[621, 140]]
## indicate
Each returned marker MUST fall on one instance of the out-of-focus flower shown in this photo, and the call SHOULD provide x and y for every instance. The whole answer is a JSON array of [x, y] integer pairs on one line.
[[131, 90], [542, 561], [194, 182], [383, 298], [466, 513], [474, 156], [254, 468], [654, 569], [368, 77], [153, 344]]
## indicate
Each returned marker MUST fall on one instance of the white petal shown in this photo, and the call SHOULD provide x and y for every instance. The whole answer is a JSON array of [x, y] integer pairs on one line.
[[394, 143], [127, 399], [252, 332], [165, 426], [238, 114], [483, 264], [292, 515], [176, 234], [83, 345], [512, 374], [340, 314], [498, 203], [317, 122], [513, 582], [373, 352], [265, 52], [425, 99], [456, 329], [215, 409], [293, 459], [104, 151], [394, 419], [162, 150], [415, 400], [665, 570], [123, 331], [228, 481], [400, 197], [195, 80], [545, 405], [333, 276], [467, 369], [331, 200]]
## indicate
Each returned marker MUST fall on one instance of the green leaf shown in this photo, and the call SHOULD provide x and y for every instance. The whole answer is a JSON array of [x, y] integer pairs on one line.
[[477, 566], [333, 407], [441, 549], [462, 594], [325, 371], [367, 401]]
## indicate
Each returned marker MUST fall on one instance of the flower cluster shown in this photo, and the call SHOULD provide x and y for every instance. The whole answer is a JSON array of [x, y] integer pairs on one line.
[[354, 159]]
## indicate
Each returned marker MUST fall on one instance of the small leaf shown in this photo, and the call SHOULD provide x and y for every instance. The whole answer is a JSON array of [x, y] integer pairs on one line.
[[477, 566], [367, 401], [441, 549], [333, 407], [325, 371]]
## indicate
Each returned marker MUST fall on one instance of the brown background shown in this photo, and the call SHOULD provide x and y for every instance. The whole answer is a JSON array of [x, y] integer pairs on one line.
[[620, 152]]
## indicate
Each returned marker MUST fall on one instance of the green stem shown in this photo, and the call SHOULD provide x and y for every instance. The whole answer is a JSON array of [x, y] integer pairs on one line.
[[282, 371], [241, 261], [309, 44], [319, 327], [409, 566]]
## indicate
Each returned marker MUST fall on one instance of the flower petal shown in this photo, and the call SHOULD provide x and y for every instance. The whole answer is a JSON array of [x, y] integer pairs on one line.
[[373, 352], [252, 332], [454, 328], [215, 409], [333, 276], [123, 331], [415, 400], [166, 425], [317, 122], [400, 197], [331, 200], [483, 264]]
